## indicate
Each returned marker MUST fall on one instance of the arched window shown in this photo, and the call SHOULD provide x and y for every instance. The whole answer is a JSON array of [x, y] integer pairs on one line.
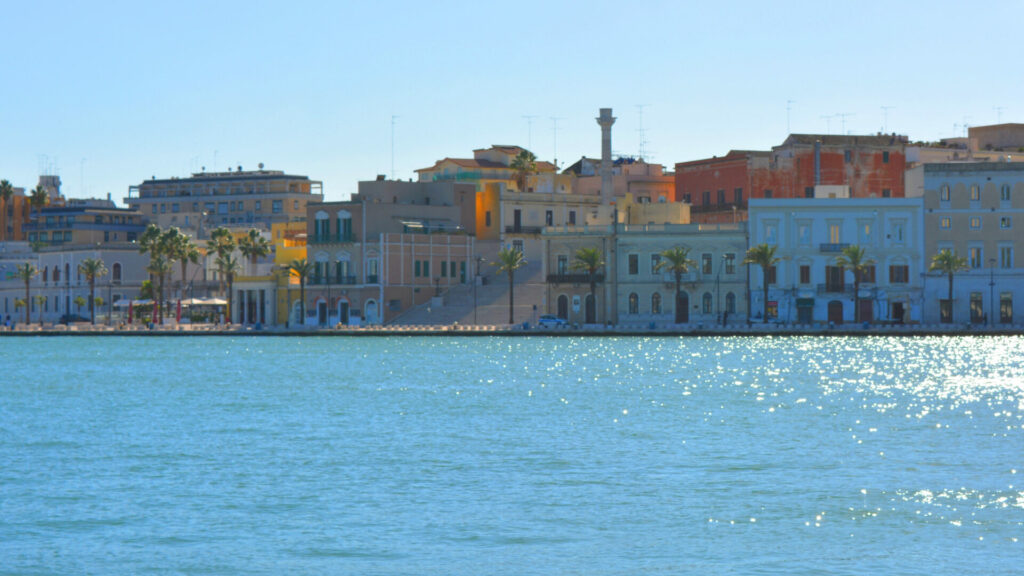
[[634, 303], [67, 273], [656, 303], [563, 307], [321, 226], [46, 273], [115, 273], [56, 274], [344, 226], [730, 303], [706, 303]]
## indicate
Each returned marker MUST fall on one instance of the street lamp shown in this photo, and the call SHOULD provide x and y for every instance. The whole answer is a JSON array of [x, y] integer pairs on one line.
[[991, 291], [476, 279]]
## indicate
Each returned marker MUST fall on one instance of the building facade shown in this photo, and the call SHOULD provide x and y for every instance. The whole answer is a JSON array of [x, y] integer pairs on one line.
[[975, 210], [207, 200], [808, 287]]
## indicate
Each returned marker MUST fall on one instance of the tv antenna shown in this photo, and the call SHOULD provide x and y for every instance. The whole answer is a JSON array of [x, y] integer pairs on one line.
[[554, 130], [529, 130], [828, 123], [842, 116], [789, 104], [999, 114], [642, 153], [393, 118], [885, 118]]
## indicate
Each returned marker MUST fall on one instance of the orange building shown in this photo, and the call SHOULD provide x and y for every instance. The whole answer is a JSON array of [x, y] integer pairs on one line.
[[804, 166]]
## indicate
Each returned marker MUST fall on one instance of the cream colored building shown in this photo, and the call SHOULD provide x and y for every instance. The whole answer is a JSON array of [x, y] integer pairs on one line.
[[975, 210]]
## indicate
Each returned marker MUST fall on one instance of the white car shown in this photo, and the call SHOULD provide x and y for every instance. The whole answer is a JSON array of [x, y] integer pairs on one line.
[[551, 320]]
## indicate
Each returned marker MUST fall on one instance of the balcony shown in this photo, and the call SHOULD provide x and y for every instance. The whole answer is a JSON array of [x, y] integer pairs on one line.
[[331, 239], [524, 229], [332, 280], [835, 288], [574, 278], [832, 248], [371, 279]]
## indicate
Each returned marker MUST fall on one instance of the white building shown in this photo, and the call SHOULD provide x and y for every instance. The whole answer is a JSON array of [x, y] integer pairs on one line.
[[807, 287]]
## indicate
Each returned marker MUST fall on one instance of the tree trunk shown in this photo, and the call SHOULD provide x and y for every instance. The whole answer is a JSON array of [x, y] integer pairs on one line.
[[92, 301], [302, 301], [28, 305], [511, 301], [856, 298], [764, 269]]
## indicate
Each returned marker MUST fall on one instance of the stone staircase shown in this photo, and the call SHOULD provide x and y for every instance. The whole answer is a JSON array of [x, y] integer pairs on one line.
[[491, 300]]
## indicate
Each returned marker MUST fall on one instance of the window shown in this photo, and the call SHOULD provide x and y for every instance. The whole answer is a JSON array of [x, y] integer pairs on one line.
[[656, 303], [222, 208], [175, 208], [897, 232], [772, 273], [634, 303], [730, 303], [1006, 308], [634, 264], [572, 217], [417, 269], [487, 218], [295, 205], [767, 193], [803, 234], [975, 193], [1006, 256], [549, 218], [563, 264], [706, 303], [899, 274], [730, 263], [770, 229], [655, 260], [847, 156], [834, 236], [155, 208], [944, 193], [809, 192], [687, 198], [977, 308], [1005, 222], [946, 223], [885, 157], [444, 269], [864, 232], [1004, 193], [705, 264], [867, 275], [974, 257], [707, 197], [805, 274], [886, 193], [209, 207], [975, 222], [276, 206], [115, 273], [257, 205], [737, 196], [721, 196]]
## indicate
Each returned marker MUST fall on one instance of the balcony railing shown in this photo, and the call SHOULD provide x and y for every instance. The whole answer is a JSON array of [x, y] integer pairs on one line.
[[828, 247], [331, 238], [524, 229], [835, 288], [574, 278], [371, 278], [332, 280]]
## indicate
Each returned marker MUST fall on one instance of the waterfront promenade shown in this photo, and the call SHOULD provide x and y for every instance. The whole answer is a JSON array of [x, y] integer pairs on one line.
[[755, 329]]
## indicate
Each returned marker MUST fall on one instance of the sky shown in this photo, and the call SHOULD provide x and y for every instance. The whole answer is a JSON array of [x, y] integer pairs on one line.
[[108, 94]]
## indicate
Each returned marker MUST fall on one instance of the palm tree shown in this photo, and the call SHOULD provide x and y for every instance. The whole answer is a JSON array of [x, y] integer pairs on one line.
[[6, 193], [948, 263], [229, 266], [40, 301], [39, 198], [524, 164], [510, 260], [149, 242], [677, 261], [184, 250], [253, 245], [591, 260], [303, 269], [92, 268], [158, 267], [26, 272], [764, 256], [19, 304], [222, 244], [854, 258]]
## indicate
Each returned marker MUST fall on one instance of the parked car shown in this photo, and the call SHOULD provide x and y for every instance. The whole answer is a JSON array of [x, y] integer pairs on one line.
[[72, 318], [552, 320]]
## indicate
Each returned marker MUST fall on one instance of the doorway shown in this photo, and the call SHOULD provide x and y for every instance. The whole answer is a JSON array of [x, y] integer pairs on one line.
[[835, 312], [321, 313], [343, 312], [682, 307], [866, 311], [591, 315], [563, 307]]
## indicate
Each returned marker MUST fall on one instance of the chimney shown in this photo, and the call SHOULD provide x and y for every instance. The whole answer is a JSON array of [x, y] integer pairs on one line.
[[605, 121]]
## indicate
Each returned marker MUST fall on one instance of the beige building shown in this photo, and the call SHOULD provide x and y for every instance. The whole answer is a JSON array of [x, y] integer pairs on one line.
[[976, 210], [207, 200], [393, 246], [84, 223]]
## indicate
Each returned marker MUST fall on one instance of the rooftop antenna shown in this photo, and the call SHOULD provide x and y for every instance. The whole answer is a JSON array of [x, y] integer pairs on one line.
[[999, 114], [885, 118], [529, 131], [393, 118], [640, 130], [554, 130], [965, 125], [789, 104], [828, 124], [842, 116]]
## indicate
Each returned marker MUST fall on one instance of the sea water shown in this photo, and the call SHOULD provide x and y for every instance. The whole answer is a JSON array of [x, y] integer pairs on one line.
[[425, 455]]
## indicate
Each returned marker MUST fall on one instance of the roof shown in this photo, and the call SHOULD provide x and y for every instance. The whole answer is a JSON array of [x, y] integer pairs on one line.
[[732, 156], [841, 140], [541, 165]]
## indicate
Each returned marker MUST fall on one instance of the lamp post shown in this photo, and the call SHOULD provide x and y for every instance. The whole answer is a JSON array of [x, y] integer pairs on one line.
[[476, 278], [991, 291]]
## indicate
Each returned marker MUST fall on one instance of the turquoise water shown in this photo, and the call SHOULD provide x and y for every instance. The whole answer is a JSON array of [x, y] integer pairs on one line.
[[511, 456]]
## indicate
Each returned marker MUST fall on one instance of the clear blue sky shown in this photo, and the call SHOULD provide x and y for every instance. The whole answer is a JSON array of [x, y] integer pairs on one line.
[[111, 93]]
